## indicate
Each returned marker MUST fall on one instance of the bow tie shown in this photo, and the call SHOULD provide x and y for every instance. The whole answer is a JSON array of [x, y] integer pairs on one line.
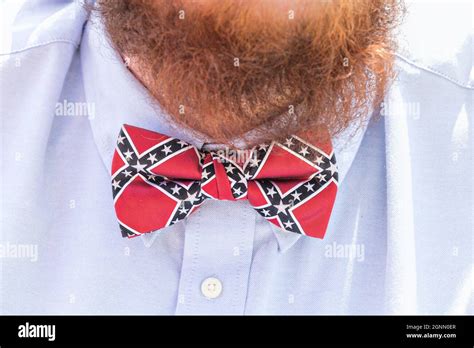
[[158, 180]]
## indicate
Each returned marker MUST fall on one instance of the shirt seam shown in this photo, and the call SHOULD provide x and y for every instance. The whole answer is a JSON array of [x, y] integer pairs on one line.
[[41, 44], [194, 263], [435, 72], [238, 277]]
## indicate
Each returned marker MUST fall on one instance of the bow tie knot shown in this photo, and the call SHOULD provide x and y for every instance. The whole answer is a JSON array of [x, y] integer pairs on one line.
[[222, 178], [158, 180]]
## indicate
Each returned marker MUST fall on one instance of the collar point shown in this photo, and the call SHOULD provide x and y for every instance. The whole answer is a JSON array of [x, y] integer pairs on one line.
[[285, 239]]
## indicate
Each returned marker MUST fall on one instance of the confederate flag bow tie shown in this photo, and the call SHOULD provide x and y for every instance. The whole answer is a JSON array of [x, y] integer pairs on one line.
[[158, 180]]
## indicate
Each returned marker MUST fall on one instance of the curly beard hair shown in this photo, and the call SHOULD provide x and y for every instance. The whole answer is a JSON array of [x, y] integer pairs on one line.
[[258, 70]]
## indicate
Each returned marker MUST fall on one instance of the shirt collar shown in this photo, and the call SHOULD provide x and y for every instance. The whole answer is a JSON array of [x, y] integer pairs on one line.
[[119, 98]]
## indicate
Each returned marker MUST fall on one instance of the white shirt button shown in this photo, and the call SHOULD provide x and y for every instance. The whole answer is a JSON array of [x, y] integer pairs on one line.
[[211, 287]]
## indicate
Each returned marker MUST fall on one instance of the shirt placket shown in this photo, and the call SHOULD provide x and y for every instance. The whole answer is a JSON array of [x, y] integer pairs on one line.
[[216, 259]]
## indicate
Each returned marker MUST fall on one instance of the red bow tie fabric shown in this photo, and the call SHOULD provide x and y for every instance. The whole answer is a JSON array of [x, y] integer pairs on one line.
[[158, 180]]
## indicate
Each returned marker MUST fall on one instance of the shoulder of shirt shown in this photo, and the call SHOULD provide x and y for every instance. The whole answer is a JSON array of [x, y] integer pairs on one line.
[[28, 24], [436, 37]]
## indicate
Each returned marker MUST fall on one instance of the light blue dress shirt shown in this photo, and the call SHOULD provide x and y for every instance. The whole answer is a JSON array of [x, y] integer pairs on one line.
[[399, 239]]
